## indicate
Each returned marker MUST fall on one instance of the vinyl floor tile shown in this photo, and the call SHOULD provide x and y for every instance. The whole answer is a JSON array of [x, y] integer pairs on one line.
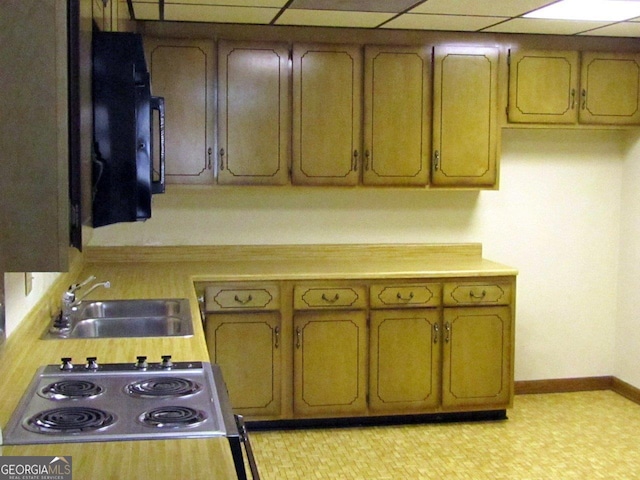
[[585, 435]]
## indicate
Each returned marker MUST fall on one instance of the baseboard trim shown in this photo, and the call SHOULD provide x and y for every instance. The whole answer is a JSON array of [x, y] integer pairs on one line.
[[583, 384], [626, 390]]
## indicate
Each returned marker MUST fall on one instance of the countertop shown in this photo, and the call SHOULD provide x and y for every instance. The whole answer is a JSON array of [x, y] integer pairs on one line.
[[170, 272]]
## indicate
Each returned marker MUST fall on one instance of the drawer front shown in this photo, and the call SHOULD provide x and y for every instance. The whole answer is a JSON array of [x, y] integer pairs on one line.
[[241, 297], [477, 293], [399, 296], [311, 297]]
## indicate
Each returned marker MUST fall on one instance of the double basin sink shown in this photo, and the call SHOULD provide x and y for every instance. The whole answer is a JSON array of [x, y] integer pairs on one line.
[[127, 318]]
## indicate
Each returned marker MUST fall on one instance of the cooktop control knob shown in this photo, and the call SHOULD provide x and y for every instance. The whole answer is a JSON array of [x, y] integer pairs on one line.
[[166, 361], [66, 364], [142, 363], [91, 364]]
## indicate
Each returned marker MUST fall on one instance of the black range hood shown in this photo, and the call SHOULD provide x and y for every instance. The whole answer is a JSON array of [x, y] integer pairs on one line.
[[122, 172]]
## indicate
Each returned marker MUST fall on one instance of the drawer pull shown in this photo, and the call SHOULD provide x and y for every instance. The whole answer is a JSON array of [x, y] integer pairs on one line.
[[243, 302], [335, 298], [478, 297], [405, 299], [436, 331]]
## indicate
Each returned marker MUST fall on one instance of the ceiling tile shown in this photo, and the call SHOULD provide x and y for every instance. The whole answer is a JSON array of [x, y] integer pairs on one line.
[[219, 14], [232, 3], [623, 29], [442, 22], [395, 6], [496, 8], [333, 18], [544, 26]]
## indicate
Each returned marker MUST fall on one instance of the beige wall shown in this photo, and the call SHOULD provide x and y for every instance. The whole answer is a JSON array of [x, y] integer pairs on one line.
[[556, 218], [627, 344]]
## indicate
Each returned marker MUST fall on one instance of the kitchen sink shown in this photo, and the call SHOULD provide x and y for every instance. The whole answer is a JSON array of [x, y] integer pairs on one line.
[[128, 318]]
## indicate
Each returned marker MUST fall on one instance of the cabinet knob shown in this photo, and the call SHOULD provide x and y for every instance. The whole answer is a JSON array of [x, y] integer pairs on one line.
[[222, 159], [355, 160], [436, 160], [436, 331]]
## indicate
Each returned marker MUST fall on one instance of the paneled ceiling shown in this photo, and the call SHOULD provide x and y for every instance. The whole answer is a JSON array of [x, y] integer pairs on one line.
[[496, 16]]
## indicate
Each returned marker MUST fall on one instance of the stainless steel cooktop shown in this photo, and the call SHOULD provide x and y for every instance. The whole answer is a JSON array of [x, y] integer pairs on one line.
[[96, 402]]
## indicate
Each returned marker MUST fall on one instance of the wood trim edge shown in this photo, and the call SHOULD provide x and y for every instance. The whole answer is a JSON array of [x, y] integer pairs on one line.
[[626, 390], [583, 384], [561, 385]]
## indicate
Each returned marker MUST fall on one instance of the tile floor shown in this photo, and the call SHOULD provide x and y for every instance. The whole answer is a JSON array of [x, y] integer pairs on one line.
[[586, 435]]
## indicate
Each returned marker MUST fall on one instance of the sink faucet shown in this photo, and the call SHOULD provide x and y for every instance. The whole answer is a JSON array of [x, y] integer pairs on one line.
[[69, 300]]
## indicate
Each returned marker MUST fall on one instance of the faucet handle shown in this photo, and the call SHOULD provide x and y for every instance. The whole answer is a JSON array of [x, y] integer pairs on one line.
[[73, 288]]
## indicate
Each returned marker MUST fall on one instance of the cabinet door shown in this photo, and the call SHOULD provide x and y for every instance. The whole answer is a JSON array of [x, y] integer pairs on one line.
[[465, 117], [477, 368], [327, 98], [610, 88], [247, 348], [34, 170], [254, 113], [396, 115], [329, 363], [543, 86], [404, 360], [182, 73]]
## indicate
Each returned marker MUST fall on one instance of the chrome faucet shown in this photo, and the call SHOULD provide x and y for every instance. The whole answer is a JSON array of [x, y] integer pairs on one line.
[[69, 300]]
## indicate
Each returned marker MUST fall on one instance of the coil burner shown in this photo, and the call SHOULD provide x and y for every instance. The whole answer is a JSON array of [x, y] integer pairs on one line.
[[71, 389], [163, 387], [69, 420], [172, 417]]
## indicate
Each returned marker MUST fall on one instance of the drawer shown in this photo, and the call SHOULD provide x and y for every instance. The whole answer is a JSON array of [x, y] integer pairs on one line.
[[312, 297], [477, 293], [241, 297], [402, 296]]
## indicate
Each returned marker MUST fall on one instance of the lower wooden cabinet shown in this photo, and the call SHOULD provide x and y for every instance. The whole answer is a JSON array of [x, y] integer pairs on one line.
[[477, 361], [329, 363], [247, 348], [363, 347], [404, 365]]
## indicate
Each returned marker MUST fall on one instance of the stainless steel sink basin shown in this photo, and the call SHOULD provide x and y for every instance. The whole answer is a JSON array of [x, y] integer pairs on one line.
[[128, 318]]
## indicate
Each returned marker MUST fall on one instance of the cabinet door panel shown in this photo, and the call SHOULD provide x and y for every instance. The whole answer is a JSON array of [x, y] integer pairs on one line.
[[182, 73], [610, 88], [254, 113], [396, 119], [329, 363], [247, 348], [465, 116], [326, 114], [543, 86], [477, 366], [404, 360]]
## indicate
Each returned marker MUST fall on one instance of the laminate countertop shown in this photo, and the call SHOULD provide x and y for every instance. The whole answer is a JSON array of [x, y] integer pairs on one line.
[[170, 272]]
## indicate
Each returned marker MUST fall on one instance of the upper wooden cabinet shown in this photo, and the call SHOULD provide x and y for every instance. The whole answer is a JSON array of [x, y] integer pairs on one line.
[[569, 87], [610, 88], [465, 128], [543, 86], [182, 72], [34, 171], [327, 104], [397, 111], [254, 114]]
